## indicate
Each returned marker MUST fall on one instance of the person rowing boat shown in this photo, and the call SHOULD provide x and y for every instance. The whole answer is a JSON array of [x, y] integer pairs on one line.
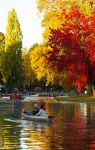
[[34, 111], [40, 116]]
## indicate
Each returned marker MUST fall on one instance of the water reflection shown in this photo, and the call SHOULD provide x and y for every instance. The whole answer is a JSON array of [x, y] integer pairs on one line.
[[73, 128], [34, 137], [83, 109]]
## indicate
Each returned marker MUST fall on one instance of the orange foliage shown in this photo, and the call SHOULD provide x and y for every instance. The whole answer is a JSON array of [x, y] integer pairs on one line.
[[73, 47]]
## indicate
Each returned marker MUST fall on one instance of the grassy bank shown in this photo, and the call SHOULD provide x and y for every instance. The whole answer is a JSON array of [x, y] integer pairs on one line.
[[79, 98]]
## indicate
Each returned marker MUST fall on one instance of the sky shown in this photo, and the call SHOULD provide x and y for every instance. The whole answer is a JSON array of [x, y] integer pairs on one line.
[[30, 21]]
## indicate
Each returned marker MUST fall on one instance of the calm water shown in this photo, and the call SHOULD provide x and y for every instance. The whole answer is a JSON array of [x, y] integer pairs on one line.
[[73, 128]]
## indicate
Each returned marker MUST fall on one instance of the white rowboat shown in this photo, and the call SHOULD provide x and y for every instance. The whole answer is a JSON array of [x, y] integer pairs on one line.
[[36, 118]]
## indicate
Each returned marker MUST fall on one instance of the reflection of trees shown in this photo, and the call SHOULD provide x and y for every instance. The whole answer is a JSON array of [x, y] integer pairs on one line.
[[1, 142], [73, 128], [91, 110], [10, 136], [91, 126], [33, 137]]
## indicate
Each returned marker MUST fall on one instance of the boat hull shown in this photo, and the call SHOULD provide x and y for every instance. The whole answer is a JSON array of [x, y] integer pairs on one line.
[[36, 118]]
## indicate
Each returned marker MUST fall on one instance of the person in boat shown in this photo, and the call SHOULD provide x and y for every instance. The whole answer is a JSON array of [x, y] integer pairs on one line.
[[35, 109], [42, 112]]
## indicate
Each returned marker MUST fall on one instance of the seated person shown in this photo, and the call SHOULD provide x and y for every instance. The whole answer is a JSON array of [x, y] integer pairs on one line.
[[35, 109], [42, 112]]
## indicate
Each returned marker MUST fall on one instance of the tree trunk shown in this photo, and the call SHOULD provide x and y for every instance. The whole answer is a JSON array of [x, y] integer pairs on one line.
[[90, 90]]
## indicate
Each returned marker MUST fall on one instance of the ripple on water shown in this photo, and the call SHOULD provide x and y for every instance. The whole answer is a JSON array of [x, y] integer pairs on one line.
[[73, 128]]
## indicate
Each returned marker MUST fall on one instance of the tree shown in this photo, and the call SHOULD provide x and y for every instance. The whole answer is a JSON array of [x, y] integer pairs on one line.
[[12, 64], [73, 48], [52, 10], [56, 14], [44, 73], [2, 46], [29, 77], [39, 63], [52, 5]]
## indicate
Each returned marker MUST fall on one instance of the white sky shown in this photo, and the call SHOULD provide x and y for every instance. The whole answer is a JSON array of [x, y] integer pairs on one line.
[[29, 20]]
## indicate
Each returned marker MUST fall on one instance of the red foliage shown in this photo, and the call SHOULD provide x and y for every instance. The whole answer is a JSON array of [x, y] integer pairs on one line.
[[77, 38]]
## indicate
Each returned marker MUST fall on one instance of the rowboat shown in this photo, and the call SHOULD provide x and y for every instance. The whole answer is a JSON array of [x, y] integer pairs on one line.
[[36, 118]]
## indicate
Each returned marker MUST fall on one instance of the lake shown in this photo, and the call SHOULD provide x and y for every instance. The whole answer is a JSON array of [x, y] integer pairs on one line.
[[72, 128]]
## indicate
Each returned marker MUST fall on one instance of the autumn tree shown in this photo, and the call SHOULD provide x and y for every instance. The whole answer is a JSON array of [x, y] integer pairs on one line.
[[29, 76], [58, 26], [39, 63], [52, 5], [73, 48], [45, 74], [12, 64], [51, 10]]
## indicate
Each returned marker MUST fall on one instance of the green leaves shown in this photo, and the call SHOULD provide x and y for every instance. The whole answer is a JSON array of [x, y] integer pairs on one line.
[[12, 62]]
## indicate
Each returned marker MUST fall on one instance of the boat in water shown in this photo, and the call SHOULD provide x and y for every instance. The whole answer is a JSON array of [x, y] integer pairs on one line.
[[36, 118]]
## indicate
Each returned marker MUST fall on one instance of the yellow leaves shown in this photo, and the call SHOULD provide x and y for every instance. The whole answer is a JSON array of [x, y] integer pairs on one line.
[[40, 65], [43, 69], [50, 77], [37, 61], [54, 15], [46, 34], [2, 42], [28, 73], [52, 20], [41, 4], [86, 8]]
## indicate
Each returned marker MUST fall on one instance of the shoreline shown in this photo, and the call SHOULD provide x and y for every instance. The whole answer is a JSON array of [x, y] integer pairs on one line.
[[80, 98]]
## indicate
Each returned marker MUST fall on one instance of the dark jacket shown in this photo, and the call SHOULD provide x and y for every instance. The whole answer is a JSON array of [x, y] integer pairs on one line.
[[35, 111]]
